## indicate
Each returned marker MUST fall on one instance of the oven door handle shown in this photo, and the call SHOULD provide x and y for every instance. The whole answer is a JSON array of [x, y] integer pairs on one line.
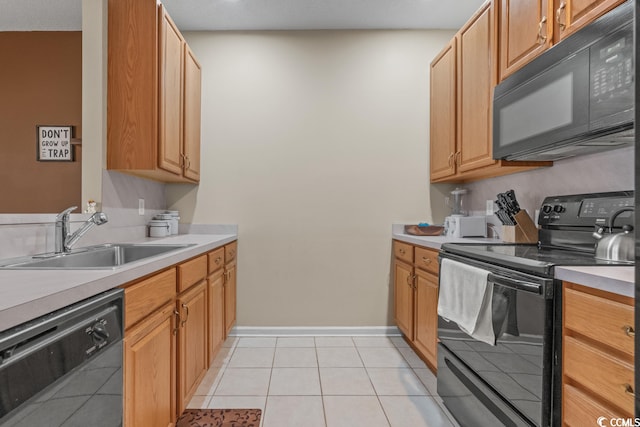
[[520, 285]]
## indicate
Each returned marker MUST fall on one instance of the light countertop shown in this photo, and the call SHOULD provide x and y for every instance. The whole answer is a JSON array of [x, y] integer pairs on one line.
[[619, 280], [27, 294], [436, 242], [615, 279]]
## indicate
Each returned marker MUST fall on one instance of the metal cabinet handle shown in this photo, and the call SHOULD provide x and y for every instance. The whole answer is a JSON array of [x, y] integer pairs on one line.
[[411, 278], [450, 159], [186, 319], [426, 260], [401, 251], [629, 331], [458, 158], [629, 390], [177, 314], [218, 260], [542, 39], [562, 7], [411, 281]]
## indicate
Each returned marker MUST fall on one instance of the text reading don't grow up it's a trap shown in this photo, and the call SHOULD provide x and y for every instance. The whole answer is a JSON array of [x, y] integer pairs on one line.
[[54, 143]]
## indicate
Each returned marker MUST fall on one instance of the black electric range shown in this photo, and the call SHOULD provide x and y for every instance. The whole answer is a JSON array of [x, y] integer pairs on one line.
[[515, 380]]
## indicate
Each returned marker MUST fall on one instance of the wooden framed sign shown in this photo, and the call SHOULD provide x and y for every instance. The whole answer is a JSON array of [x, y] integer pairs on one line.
[[54, 143]]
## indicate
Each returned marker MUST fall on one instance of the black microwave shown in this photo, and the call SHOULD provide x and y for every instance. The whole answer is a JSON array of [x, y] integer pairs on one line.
[[576, 98]]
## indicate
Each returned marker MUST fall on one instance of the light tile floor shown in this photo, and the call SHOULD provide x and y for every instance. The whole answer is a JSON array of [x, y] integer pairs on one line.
[[325, 382]]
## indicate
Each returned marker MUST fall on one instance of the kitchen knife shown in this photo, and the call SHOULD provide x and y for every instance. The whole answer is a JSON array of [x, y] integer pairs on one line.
[[513, 202]]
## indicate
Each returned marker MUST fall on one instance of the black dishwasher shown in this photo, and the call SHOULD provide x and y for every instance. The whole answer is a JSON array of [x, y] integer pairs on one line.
[[65, 368]]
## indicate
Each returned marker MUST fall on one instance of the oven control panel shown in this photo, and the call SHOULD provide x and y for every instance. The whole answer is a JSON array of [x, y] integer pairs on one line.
[[586, 209]]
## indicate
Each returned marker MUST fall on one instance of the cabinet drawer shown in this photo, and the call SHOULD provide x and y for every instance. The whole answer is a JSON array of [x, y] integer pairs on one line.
[[191, 272], [427, 259], [600, 319], [144, 297], [603, 374], [579, 409], [216, 259], [230, 252], [403, 251]]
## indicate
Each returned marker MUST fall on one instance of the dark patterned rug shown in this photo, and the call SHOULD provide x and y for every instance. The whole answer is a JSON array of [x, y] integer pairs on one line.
[[220, 418]]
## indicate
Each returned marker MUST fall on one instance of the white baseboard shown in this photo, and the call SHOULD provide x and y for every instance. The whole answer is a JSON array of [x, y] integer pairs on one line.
[[255, 331]]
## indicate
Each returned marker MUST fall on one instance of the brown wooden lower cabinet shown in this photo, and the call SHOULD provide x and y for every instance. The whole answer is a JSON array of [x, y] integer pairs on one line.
[[403, 297], [597, 355], [193, 359], [215, 296], [416, 298], [426, 316], [175, 323], [150, 371], [230, 291]]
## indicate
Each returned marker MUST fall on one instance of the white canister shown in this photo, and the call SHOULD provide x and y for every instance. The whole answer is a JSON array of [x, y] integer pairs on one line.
[[159, 228], [176, 216], [172, 220]]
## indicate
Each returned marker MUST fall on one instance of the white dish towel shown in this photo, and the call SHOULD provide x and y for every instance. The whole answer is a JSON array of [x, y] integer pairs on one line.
[[465, 298]]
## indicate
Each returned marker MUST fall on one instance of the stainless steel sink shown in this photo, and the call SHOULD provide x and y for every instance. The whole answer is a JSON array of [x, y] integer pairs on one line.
[[107, 256]]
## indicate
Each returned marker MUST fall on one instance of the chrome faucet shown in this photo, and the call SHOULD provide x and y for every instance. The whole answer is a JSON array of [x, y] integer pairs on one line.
[[64, 240]]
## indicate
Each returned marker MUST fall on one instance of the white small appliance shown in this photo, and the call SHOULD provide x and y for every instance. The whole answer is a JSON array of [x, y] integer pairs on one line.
[[465, 226]]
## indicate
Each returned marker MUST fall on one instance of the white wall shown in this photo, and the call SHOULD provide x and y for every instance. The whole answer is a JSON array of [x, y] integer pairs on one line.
[[94, 98], [314, 143]]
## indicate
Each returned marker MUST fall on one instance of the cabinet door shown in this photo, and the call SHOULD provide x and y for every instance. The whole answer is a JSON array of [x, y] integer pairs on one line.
[[216, 313], [403, 297], [192, 113], [526, 28], [475, 80], [150, 371], [132, 97], [170, 90], [230, 297], [571, 15], [426, 316], [192, 338], [443, 113]]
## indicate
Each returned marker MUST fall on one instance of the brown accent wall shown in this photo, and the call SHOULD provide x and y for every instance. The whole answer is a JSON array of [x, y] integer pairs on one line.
[[40, 84]]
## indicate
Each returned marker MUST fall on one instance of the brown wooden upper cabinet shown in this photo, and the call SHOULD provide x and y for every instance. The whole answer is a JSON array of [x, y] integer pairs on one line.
[[529, 27], [443, 113], [153, 95], [462, 79]]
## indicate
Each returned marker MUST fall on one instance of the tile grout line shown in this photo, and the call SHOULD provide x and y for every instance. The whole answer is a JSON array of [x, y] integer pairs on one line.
[[372, 385], [324, 411], [266, 400], [223, 371]]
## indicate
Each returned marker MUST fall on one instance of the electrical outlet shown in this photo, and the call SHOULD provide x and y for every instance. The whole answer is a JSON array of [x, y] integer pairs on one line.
[[489, 207], [140, 206]]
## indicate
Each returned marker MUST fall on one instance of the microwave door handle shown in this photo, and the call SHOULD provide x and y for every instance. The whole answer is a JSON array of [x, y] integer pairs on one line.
[[516, 284]]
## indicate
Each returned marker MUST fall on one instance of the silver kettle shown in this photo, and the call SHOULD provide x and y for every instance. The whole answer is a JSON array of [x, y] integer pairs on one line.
[[619, 247]]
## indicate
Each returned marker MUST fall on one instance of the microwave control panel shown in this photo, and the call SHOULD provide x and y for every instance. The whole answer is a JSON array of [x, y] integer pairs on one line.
[[612, 73]]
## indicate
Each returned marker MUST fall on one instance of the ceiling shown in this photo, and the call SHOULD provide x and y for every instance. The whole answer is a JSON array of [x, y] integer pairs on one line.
[[40, 15], [204, 15]]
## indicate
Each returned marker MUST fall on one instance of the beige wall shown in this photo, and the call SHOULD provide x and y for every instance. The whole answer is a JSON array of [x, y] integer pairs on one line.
[[314, 143]]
